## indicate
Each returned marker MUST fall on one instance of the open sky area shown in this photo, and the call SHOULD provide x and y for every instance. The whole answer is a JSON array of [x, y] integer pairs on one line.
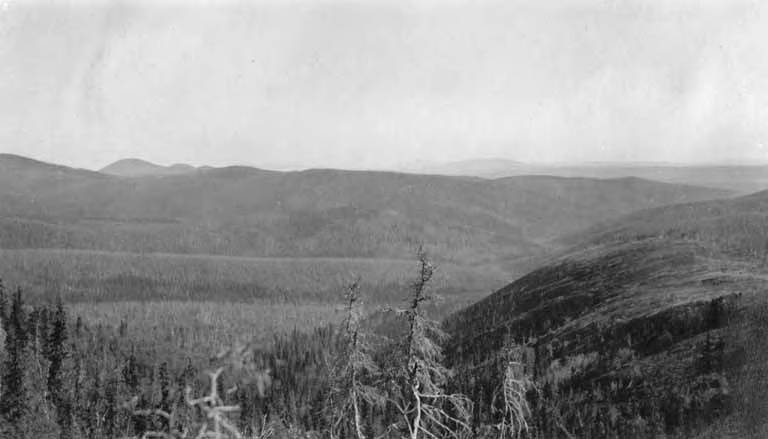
[[376, 84]]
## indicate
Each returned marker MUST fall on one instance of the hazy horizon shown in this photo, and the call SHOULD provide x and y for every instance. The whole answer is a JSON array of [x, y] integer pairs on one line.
[[431, 167], [383, 84]]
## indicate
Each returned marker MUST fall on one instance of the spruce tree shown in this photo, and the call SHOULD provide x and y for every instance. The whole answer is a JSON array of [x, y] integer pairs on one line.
[[56, 356], [43, 330], [18, 320], [418, 379], [353, 366], [111, 422], [510, 401], [3, 308], [13, 401]]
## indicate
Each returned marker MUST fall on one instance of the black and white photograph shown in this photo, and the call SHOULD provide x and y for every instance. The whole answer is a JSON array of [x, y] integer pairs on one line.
[[383, 219]]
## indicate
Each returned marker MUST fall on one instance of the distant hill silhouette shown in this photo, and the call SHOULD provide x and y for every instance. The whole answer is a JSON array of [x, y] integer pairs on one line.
[[142, 168], [743, 178], [481, 167]]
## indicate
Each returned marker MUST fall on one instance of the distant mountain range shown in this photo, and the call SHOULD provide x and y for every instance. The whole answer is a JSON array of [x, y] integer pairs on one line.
[[481, 167], [743, 178]]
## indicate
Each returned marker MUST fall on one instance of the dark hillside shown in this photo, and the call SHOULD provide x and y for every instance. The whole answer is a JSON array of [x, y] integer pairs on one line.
[[652, 319]]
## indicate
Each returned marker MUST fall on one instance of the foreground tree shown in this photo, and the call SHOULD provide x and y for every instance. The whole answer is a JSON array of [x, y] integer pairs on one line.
[[216, 423], [511, 395], [13, 400], [352, 367], [417, 378], [56, 354]]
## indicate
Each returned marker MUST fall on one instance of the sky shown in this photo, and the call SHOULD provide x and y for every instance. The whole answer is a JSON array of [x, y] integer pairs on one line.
[[383, 84]]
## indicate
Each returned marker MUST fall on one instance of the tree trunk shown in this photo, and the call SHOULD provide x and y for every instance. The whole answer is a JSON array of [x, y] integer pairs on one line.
[[358, 426], [417, 419]]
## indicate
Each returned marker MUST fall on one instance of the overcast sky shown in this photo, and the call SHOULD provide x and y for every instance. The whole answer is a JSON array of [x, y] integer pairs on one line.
[[375, 84]]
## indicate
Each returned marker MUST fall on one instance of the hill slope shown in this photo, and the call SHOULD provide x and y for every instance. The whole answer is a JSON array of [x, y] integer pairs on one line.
[[483, 231], [737, 227], [654, 317], [250, 212]]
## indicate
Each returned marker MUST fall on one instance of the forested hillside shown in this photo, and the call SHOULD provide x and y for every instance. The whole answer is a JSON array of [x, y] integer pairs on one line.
[[645, 339], [251, 212], [481, 231], [736, 227], [651, 325]]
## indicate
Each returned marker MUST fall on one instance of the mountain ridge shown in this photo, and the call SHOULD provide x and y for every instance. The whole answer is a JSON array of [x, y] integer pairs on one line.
[[742, 177]]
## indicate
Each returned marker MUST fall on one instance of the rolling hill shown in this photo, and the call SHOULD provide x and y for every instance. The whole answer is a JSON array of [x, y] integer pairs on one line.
[[251, 212], [494, 227], [737, 227], [658, 313]]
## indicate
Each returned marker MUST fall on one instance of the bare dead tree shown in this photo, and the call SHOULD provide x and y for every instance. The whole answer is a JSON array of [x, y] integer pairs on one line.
[[215, 411], [418, 379], [215, 425], [512, 392], [352, 366]]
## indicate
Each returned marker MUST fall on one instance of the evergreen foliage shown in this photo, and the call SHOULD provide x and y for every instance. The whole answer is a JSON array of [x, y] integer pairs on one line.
[[64, 379], [13, 400], [56, 354]]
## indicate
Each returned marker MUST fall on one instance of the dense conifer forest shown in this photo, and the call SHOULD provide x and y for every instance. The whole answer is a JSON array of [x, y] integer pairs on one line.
[[400, 375]]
